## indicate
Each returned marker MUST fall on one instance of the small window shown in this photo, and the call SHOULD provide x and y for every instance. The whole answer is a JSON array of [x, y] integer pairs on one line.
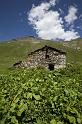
[[51, 66], [47, 56]]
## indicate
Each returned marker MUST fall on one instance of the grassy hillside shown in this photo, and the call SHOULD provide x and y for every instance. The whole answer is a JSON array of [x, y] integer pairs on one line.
[[37, 95], [18, 49]]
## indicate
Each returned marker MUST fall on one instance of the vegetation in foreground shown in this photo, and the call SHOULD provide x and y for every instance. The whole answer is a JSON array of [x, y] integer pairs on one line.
[[39, 96]]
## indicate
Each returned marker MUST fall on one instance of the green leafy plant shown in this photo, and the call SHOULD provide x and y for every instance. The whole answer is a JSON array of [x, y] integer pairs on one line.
[[39, 96]]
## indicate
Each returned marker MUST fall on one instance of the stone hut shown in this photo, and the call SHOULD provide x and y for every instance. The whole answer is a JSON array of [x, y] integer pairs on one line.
[[47, 57]]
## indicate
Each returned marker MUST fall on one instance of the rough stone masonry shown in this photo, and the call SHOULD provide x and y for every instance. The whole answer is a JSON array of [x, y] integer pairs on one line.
[[47, 57]]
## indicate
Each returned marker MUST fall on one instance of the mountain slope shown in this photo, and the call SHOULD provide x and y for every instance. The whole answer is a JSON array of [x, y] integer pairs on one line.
[[18, 49]]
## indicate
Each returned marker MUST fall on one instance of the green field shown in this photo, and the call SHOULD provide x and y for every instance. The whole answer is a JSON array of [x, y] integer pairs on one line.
[[15, 50], [37, 95]]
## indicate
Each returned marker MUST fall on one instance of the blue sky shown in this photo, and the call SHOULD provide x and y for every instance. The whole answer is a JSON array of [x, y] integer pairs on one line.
[[47, 19]]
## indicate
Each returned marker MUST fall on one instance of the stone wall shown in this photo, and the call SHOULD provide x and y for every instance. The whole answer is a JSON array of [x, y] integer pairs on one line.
[[39, 59], [44, 57]]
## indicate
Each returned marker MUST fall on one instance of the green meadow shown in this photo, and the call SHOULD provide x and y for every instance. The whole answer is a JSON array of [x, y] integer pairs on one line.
[[37, 95]]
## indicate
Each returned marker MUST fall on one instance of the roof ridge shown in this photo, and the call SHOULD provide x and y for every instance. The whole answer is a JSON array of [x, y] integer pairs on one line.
[[46, 46]]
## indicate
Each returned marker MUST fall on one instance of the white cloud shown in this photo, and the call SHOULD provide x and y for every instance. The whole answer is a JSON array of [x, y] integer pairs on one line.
[[52, 2], [48, 23], [61, 11], [79, 27], [80, 17], [72, 15]]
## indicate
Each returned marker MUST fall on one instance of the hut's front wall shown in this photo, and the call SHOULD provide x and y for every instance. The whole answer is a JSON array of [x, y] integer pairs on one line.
[[39, 59]]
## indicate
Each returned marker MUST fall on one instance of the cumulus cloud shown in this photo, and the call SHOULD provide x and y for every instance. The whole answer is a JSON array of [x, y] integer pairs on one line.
[[80, 17], [72, 15], [52, 2], [48, 23], [61, 11]]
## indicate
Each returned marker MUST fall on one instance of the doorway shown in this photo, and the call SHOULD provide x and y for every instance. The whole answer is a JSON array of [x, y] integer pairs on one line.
[[51, 67]]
